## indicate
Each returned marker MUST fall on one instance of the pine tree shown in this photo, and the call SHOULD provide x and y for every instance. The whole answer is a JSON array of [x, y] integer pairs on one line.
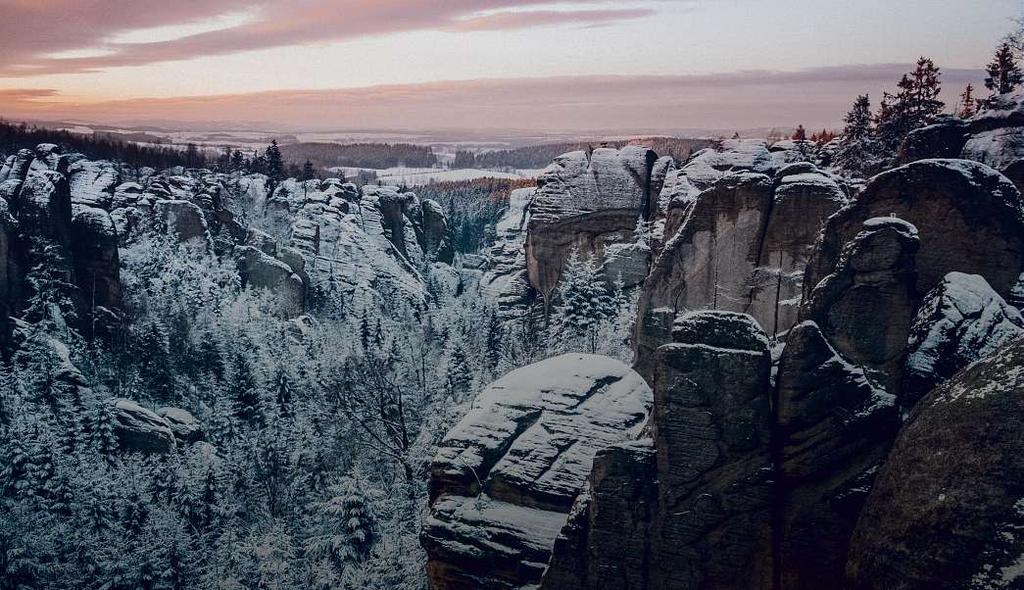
[[925, 105], [1004, 75], [914, 105], [585, 300], [237, 161], [284, 394], [275, 163], [968, 104], [349, 526], [244, 394], [459, 375], [102, 436], [857, 148]]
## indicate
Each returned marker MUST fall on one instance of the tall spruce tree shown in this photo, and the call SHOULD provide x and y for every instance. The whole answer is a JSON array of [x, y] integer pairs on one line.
[[968, 106], [915, 104], [1004, 75], [275, 163], [857, 150]]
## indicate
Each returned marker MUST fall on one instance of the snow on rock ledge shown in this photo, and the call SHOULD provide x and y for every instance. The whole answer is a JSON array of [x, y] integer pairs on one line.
[[961, 320], [505, 477]]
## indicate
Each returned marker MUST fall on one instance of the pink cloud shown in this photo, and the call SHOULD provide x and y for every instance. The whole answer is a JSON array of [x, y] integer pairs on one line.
[[34, 30]]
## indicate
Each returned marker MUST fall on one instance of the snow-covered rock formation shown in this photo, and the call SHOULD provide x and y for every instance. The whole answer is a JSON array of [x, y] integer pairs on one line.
[[504, 478]]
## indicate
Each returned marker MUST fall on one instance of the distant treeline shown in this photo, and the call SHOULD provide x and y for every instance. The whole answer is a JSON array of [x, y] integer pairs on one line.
[[360, 155], [539, 156], [102, 146]]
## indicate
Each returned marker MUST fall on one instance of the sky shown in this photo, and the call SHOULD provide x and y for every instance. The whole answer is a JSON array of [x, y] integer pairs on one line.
[[594, 65]]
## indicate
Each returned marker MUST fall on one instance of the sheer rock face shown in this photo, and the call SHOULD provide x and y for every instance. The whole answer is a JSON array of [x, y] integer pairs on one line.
[[743, 246], [437, 242], [97, 264], [506, 279], [586, 201], [960, 321], [964, 212], [946, 511], [711, 430], [7, 273], [707, 264], [866, 306], [834, 427], [506, 476]]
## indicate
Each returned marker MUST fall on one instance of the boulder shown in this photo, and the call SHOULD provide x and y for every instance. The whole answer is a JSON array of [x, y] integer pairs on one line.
[[960, 321], [945, 512], [711, 426], [182, 219], [706, 167], [998, 148], [139, 429], [866, 306], [585, 201], [93, 183], [964, 211], [943, 139], [505, 477], [834, 428], [183, 424]]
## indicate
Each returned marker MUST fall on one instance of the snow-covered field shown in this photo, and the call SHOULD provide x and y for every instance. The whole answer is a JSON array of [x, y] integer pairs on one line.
[[421, 176]]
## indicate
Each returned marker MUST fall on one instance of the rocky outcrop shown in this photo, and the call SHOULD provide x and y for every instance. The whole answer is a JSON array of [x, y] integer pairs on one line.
[[437, 243], [833, 429], [964, 211], [183, 424], [606, 541], [945, 512], [866, 306], [708, 263], [139, 429], [711, 429], [183, 220], [960, 321], [262, 271], [506, 279], [692, 506], [505, 477], [93, 183], [586, 200], [743, 246]]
